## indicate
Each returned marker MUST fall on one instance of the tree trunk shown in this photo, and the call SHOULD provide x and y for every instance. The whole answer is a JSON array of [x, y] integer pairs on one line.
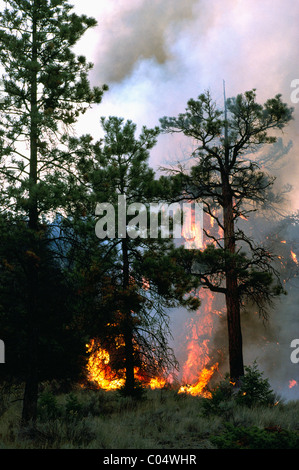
[[236, 365], [232, 295], [31, 382], [128, 329]]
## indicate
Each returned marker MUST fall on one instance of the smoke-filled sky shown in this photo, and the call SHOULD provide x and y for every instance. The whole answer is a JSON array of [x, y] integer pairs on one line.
[[156, 54]]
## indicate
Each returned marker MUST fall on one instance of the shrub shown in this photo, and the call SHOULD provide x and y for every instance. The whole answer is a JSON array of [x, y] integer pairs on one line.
[[48, 408], [256, 438], [73, 408], [220, 400], [254, 390]]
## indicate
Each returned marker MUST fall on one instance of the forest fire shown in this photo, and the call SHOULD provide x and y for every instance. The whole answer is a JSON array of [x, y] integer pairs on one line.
[[100, 371], [199, 363], [197, 369], [199, 388]]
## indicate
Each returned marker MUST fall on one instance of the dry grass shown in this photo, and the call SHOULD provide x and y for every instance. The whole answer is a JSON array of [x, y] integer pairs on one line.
[[92, 419]]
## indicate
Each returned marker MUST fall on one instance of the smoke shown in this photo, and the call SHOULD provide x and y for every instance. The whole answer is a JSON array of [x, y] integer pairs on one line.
[[156, 54], [138, 31]]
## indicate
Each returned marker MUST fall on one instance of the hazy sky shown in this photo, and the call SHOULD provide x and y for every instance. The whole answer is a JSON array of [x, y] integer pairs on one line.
[[156, 54]]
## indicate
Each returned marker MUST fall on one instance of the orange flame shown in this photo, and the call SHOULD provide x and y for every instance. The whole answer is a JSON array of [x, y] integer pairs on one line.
[[195, 370], [292, 383], [199, 388], [157, 382], [99, 370], [294, 257]]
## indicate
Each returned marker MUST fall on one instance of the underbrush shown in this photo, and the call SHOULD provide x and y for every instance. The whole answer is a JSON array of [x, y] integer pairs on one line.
[[250, 417]]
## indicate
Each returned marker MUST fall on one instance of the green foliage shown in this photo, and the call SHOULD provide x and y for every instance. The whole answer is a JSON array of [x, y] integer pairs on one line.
[[48, 408], [256, 438], [163, 420], [73, 408], [46, 90], [254, 389], [221, 399], [138, 393]]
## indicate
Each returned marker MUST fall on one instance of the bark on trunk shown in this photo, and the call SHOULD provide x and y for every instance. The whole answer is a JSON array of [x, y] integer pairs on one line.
[[29, 412], [128, 329], [236, 364]]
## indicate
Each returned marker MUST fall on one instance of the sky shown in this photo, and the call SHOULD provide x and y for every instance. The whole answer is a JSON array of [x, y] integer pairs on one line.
[[156, 54]]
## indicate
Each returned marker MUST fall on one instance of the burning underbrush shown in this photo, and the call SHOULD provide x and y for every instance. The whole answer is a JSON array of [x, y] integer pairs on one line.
[[105, 371], [200, 362], [201, 344]]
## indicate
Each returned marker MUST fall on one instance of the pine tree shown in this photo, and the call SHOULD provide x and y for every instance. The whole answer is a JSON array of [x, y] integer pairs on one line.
[[46, 89], [225, 175], [144, 280]]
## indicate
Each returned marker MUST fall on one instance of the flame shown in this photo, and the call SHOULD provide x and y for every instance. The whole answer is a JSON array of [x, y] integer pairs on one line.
[[292, 383], [192, 232], [197, 369], [294, 257], [99, 370], [199, 388], [157, 382]]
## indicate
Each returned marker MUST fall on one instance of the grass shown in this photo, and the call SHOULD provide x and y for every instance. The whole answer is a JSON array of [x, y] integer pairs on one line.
[[163, 419]]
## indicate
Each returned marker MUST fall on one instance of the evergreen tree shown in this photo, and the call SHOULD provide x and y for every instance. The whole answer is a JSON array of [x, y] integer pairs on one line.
[[225, 175], [46, 88], [144, 280], [60, 345]]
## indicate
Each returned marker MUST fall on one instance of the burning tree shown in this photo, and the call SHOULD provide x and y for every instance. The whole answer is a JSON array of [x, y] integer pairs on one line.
[[144, 280], [225, 175]]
